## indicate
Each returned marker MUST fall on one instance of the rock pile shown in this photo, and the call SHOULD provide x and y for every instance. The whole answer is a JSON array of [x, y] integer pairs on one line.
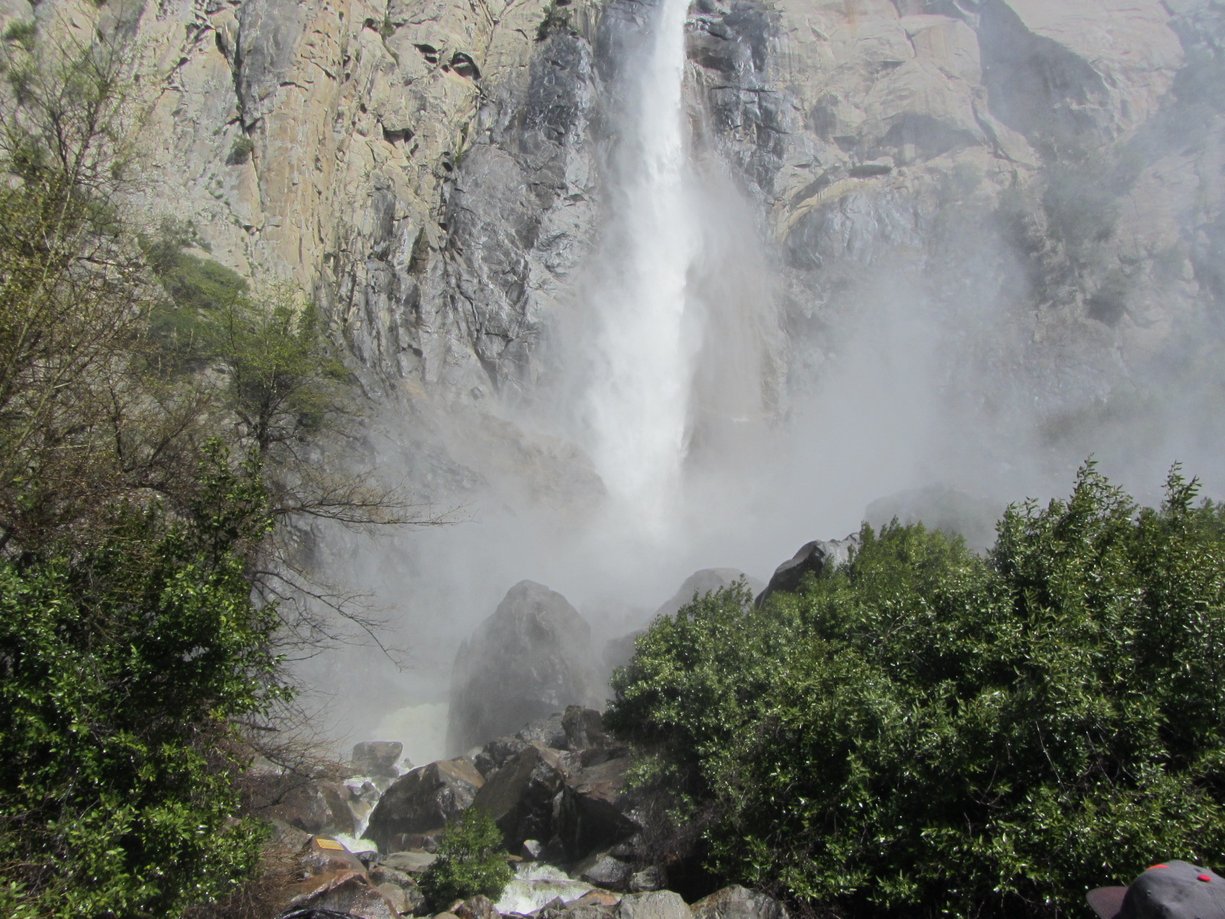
[[558, 791]]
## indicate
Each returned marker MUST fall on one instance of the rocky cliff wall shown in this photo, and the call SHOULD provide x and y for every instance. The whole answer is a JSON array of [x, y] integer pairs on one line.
[[1018, 204], [431, 168], [945, 240]]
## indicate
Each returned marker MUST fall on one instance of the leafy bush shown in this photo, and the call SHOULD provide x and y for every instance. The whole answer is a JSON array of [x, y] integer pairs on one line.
[[241, 151], [22, 31], [470, 861], [557, 19], [124, 659], [927, 732]]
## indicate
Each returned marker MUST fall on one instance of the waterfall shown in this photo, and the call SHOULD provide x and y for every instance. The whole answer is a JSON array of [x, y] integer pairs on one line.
[[636, 404]]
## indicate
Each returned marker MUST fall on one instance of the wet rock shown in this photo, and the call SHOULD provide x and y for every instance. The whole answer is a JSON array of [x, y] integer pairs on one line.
[[399, 898], [338, 892], [738, 903], [659, 904], [410, 863], [815, 558], [603, 870], [595, 809], [425, 800], [597, 898], [520, 796], [322, 854], [582, 911], [409, 893], [586, 735], [478, 907], [310, 804], [497, 753], [531, 658], [377, 757], [650, 878], [547, 732], [597, 904]]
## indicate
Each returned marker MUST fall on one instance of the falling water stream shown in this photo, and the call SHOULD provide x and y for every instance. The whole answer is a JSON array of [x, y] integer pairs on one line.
[[636, 403]]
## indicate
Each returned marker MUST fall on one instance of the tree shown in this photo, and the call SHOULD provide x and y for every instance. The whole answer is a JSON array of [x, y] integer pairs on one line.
[[470, 861], [140, 653], [282, 376], [131, 650], [72, 294], [927, 732]]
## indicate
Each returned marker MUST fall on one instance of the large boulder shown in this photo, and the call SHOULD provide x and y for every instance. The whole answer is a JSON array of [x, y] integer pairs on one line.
[[532, 657], [587, 736], [596, 810], [815, 558], [657, 904], [335, 897], [542, 785], [423, 801], [376, 757], [312, 804], [520, 796], [737, 902]]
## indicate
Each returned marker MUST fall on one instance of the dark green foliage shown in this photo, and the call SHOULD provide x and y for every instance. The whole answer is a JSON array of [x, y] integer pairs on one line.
[[194, 283], [197, 290], [123, 662], [556, 19], [926, 732], [283, 378], [240, 152], [470, 861]]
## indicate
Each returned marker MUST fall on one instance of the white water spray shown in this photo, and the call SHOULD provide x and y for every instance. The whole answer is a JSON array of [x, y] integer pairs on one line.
[[637, 401]]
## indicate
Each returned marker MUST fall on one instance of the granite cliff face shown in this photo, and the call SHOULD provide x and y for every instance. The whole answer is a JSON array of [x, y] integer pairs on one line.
[[944, 241], [431, 169]]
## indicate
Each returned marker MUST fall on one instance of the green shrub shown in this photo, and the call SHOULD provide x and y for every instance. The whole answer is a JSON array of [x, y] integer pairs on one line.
[[470, 861], [124, 659], [197, 288], [927, 732], [240, 151], [556, 19], [21, 31]]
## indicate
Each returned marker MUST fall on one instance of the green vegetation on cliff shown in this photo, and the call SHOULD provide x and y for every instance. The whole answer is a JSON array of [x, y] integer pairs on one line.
[[927, 732]]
